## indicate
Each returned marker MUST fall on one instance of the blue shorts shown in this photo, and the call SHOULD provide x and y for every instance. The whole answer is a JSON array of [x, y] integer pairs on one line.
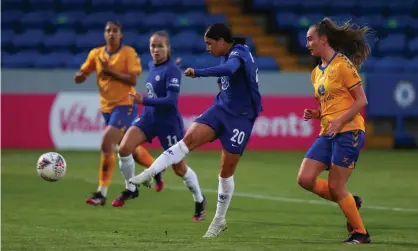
[[342, 150], [167, 133], [233, 131], [121, 117]]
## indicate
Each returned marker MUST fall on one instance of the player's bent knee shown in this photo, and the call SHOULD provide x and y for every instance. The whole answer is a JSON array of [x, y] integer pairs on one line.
[[197, 135], [306, 181], [124, 150]]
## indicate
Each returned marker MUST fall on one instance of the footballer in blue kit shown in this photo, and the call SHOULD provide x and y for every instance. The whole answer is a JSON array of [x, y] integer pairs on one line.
[[230, 119], [160, 118]]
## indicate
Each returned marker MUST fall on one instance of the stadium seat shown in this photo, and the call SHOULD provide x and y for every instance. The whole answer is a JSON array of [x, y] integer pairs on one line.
[[98, 20], [158, 21], [36, 19], [28, 39], [61, 39], [368, 66], [413, 46], [9, 18], [132, 20], [411, 66], [267, 63], [390, 64], [68, 20], [75, 61], [52, 60], [392, 44], [184, 41], [23, 59], [89, 40], [7, 37]]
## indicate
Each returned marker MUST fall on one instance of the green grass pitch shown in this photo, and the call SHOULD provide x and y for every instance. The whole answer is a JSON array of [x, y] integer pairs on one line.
[[268, 212]]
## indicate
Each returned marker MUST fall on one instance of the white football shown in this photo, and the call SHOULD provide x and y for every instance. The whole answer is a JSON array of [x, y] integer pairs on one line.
[[51, 166]]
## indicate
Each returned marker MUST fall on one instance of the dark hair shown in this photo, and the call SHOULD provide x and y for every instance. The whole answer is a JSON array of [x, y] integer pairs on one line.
[[115, 22], [348, 39], [220, 30], [167, 37]]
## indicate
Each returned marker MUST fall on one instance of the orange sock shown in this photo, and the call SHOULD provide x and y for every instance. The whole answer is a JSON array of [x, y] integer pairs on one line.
[[107, 165], [348, 206], [143, 157], [321, 189]]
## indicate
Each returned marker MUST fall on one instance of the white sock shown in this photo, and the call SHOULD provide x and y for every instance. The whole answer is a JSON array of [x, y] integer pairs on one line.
[[191, 182], [172, 155], [127, 167], [225, 191], [103, 190]]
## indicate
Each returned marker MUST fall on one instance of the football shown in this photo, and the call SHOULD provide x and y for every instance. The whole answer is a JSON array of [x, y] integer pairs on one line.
[[51, 166]]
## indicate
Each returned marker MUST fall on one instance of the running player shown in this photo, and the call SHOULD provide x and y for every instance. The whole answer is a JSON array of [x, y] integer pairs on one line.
[[230, 119], [338, 89], [117, 68], [160, 118]]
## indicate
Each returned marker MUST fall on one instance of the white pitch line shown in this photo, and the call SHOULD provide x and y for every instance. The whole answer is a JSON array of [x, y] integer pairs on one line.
[[278, 198]]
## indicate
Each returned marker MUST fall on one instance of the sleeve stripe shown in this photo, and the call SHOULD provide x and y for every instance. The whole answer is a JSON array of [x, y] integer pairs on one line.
[[356, 84]]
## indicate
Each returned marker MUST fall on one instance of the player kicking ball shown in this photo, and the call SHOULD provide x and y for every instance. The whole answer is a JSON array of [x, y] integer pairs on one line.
[[230, 119]]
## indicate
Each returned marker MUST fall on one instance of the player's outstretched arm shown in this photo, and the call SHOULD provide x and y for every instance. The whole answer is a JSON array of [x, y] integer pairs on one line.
[[226, 69]]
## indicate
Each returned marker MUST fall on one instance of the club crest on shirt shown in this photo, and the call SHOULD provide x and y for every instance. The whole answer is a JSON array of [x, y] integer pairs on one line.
[[321, 90], [157, 78]]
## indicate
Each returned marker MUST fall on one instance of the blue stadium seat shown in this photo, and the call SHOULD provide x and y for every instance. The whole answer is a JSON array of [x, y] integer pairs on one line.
[[390, 64], [184, 41], [68, 19], [42, 4], [134, 3], [372, 7], [412, 65], [375, 21], [130, 37], [10, 17], [75, 61], [267, 63], [52, 60], [104, 4], [286, 19], [262, 4], [98, 20], [199, 46], [414, 25], [286, 4], [36, 19], [132, 20], [158, 20], [23, 59], [164, 4], [28, 39], [314, 6], [398, 22], [73, 4], [142, 43], [193, 4], [145, 60], [11, 5], [216, 18], [7, 37], [393, 44], [189, 20], [337, 7], [368, 66], [60, 40], [413, 46], [89, 40]]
